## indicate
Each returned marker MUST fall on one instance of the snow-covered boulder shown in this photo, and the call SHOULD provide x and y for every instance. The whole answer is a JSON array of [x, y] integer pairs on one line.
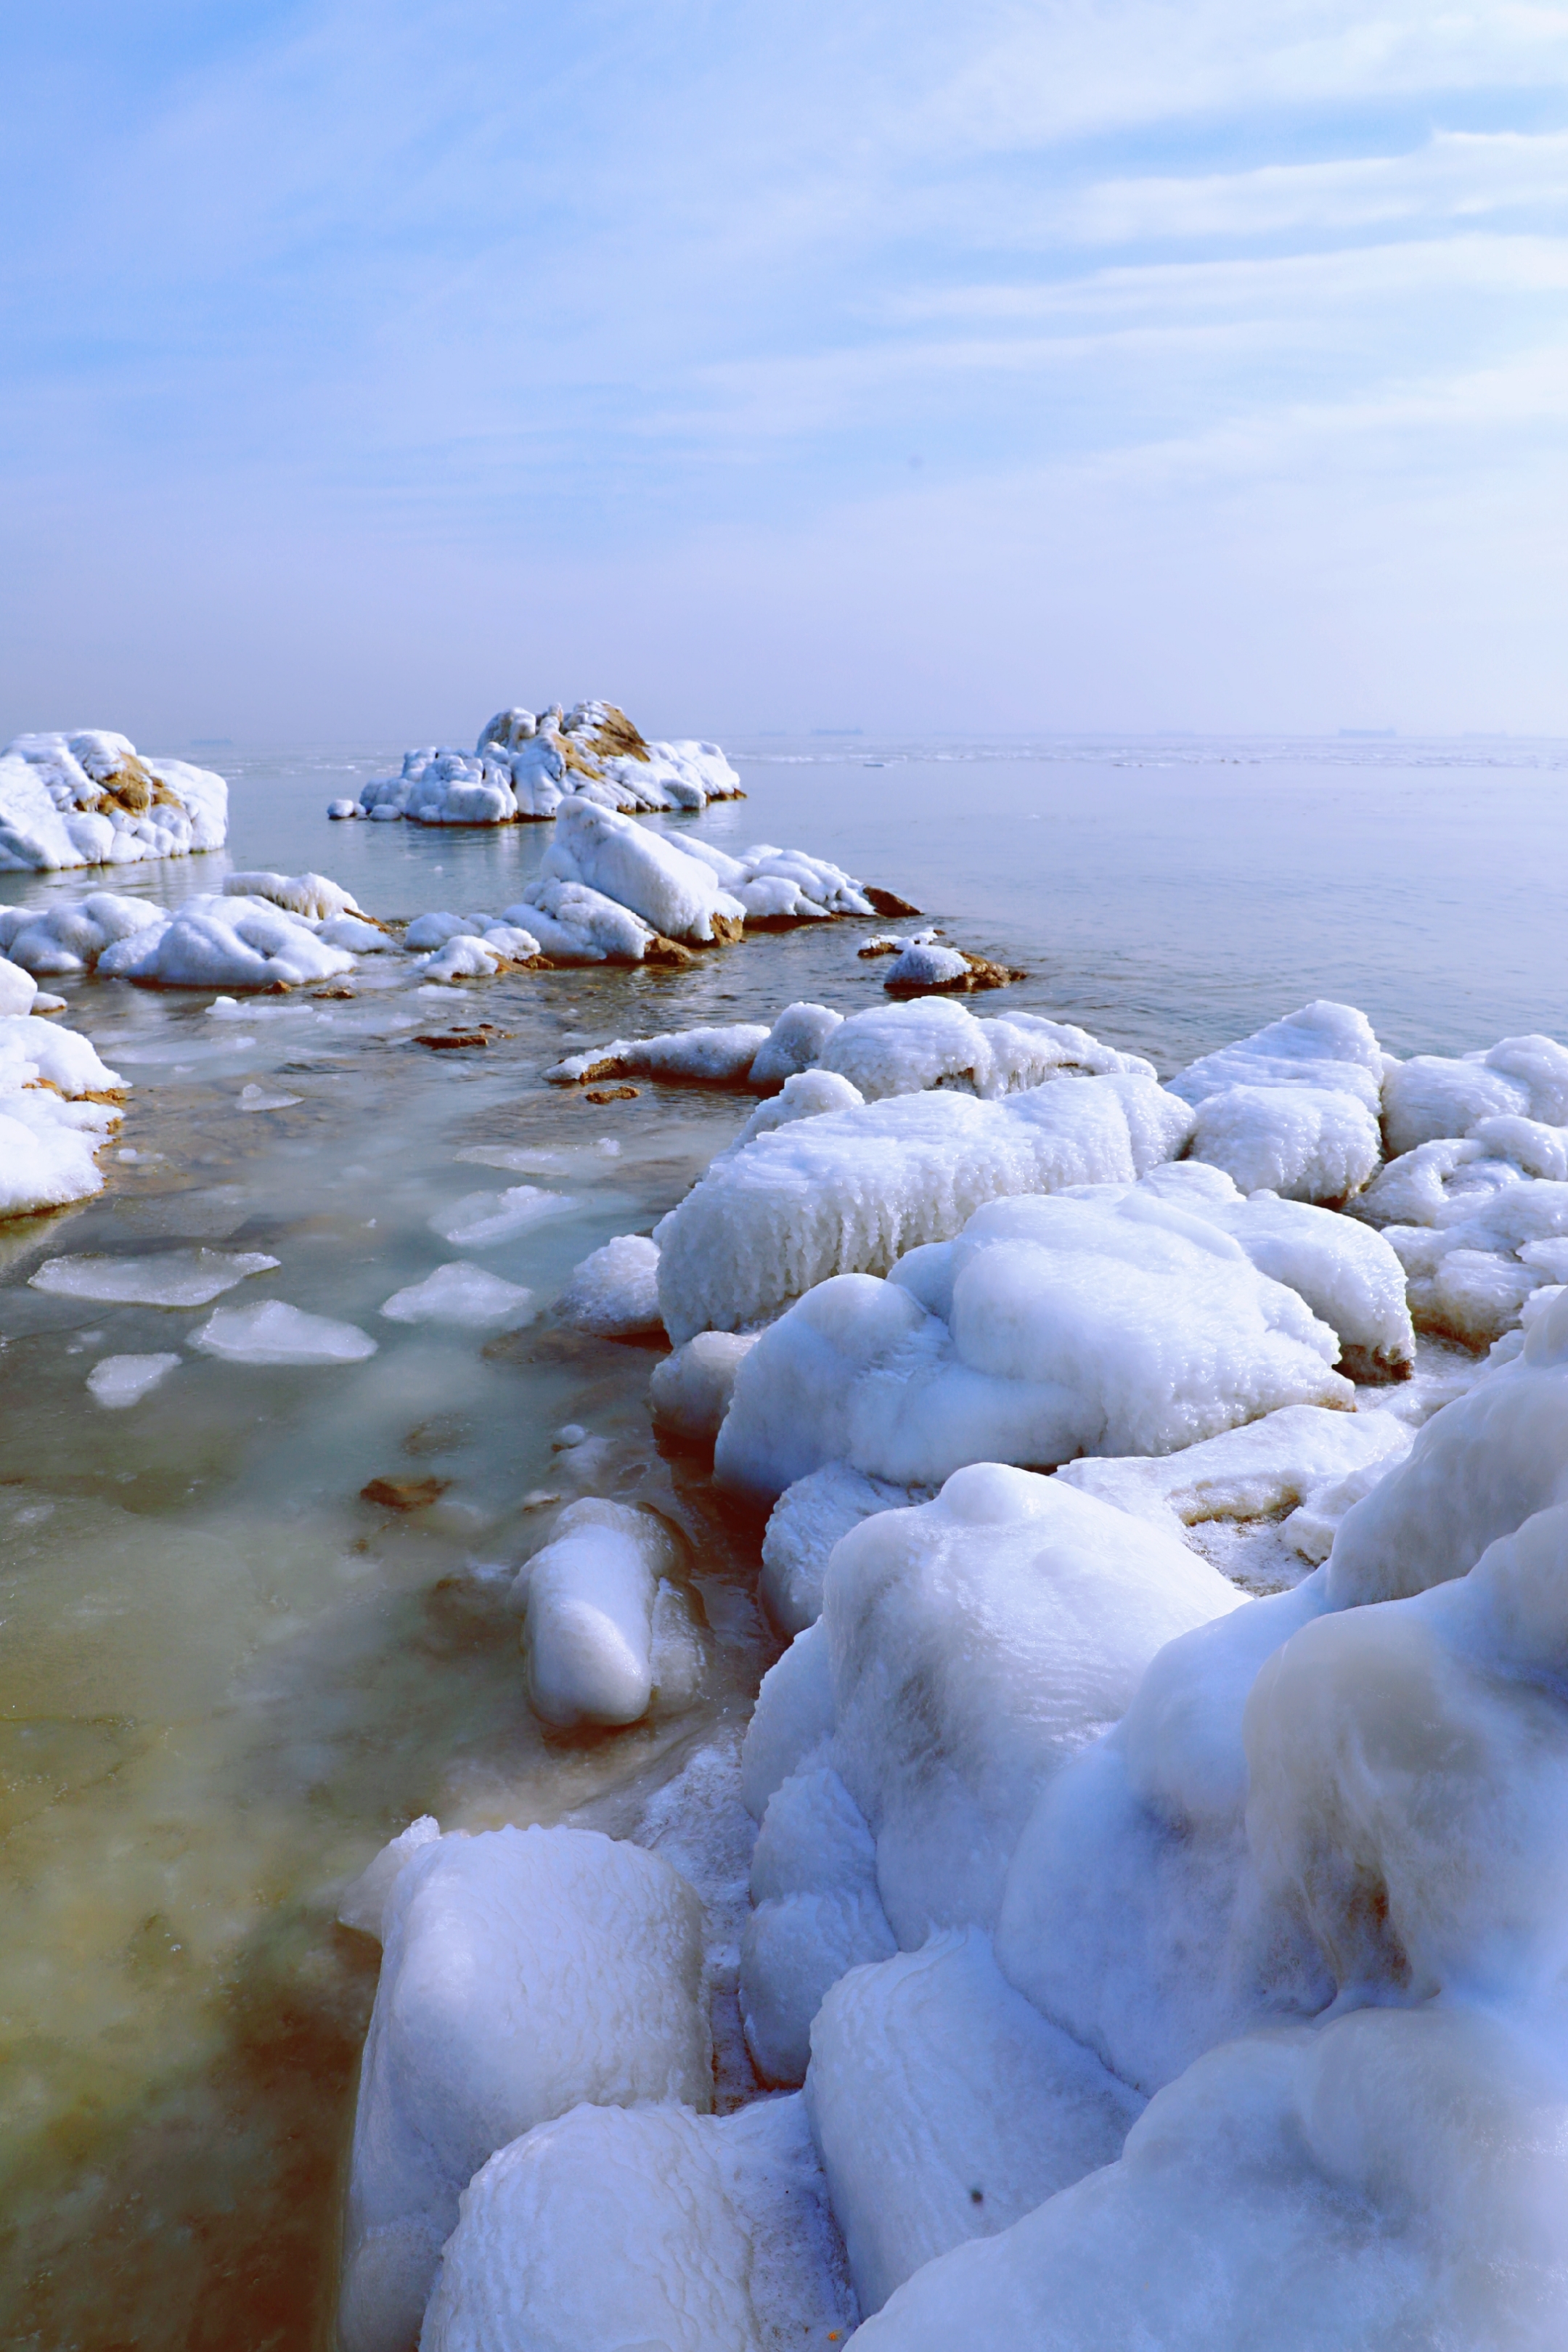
[[90, 799], [648, 2226], [215, 940], [1107, 1322], [59, 940], [525, 1971], [1294, 1108], [805, 1524], [613, 1293], [1290, 1458], [575, 924], [851, 1191], [588, 1601], [313, 895], [710, 1056], [676, 895], [1431, 1096], [779, 887], [897, 1049], [57, 1108], [524, 765], [689, 1391]]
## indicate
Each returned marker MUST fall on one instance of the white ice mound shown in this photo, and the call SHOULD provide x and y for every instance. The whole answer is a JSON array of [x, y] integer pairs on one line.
[[117, 1382], [1102, 1322], [187, 1277], [1293, 1108], [54, 941], [613, 1293], [524, 766], [677, 896], [644, 2227], [966, 1648], [898, 1049], [1430, 1095], [720, 1056], [782, 887], [18, 989], [689, 1391], [90, 799], [311, 895], [214, 940], [805, 1524], [274, 1333], [946, 2108], [464, 1294], [575, 924], [851, 1191], [1288, 1458], [53, 1119], [525, 1971], [588, 1601]]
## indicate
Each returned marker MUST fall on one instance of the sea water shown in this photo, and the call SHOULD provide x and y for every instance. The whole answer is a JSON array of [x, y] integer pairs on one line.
[[226, 1678]]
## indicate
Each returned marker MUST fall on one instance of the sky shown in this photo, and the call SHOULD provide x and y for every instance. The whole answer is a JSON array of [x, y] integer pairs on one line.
[[1013, 366]]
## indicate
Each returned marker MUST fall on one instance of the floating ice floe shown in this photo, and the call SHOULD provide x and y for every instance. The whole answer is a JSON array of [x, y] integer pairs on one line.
[[525, 1972], [186, 1277], [613, 1293], [1294, 1108], [255, 1097], [57, 1108], [525, 765], [90, 799], [275, 1333], [589, 1602], [464, 1294], [117, 1382], [1108, 1321], [480, 1220], [851, 1191]]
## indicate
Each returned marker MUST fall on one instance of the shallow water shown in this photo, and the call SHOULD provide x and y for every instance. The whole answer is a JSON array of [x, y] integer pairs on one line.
[[224, 1679]]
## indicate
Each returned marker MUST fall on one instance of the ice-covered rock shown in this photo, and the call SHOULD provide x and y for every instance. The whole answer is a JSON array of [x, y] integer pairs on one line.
[[464, 1294], [57, 1107], [575, 924], [1288, 1458], [18, 989], [90, 799], [525, 1972], [613, 1293], [852, 1190], [689, 1391], [214, 940], [1108, 1321], [1431, 1096], [57, 940], [676, 895], [1294, 1108], [312, 895], [642, 2227], [524, 765], [782, 887], [720, 1056], [588, 1601], [898, 1049], [945, 2108], [803, 1527], [794, 1043]]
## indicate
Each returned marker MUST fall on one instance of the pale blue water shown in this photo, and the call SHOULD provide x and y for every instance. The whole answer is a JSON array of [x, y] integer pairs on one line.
[[224, 1679]]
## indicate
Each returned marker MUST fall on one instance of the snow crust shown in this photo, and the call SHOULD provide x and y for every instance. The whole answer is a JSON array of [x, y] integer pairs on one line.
[[524, 1972], [90, 799], [851, 1191]]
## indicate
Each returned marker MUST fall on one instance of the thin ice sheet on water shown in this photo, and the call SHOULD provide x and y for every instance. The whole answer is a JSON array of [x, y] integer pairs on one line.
[[274, 1333], [458, 1293], [175, 1278], [115, 1381], [480, 1219]]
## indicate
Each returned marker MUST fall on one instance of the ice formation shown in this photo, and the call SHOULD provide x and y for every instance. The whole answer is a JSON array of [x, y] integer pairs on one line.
[[676, 895], [588, 1601], [117, 1382], [219, 941], [1294, 1108], [690, 1392], [90, 799], [721, 1057], [806, 1524], [524, 1973], [524, 765], [1431, 1096], [59, 1104], [481, 1220], [56, 942], [274, 1333], [853, 1190], [613, 1293], [462, 1294], [187, 1277]]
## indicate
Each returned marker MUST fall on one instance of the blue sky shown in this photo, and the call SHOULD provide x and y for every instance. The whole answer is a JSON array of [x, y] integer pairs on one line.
[[1032, 363]]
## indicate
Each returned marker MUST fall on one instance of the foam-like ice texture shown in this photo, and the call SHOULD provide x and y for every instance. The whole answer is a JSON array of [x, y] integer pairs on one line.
[[90, 799], [525, 1971], [588, 1601], [645, 2226], [851, 1191], [464, 1294], [1431, 1096], [613, 1293], [274, 1333], [1109, 1321]]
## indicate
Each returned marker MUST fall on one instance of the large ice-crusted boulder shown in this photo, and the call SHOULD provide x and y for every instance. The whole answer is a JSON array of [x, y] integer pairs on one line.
[[968, 1648], [1294, 1108], [852, 1190], [677, 896], [1106, 1321], [525, 1971], [1432, 1094], [91, 799], [219, 941], [648, 2226], [57, 1111]]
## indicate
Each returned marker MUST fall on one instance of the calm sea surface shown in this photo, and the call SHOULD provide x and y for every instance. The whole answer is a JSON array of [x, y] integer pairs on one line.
[[225, 1680]]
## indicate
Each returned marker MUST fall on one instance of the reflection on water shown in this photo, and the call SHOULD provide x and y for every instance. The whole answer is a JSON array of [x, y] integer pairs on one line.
[[224, 1679]]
